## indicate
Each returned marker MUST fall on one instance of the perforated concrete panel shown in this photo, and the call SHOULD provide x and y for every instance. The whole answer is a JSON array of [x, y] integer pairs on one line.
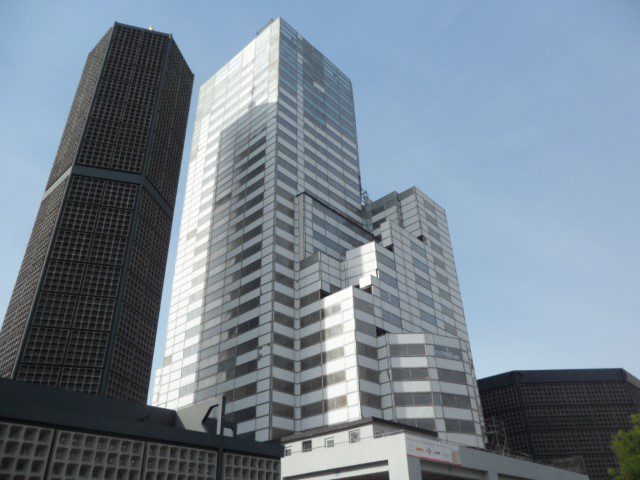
[[24, 451], [80, 455], [170, 462], [245, 467]]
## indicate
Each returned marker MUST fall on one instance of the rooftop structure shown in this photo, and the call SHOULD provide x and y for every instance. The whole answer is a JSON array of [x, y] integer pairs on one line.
[[375, 449]]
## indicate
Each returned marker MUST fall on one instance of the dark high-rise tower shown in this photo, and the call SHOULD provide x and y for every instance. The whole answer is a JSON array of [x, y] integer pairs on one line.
[[84, 309], [566, 417]]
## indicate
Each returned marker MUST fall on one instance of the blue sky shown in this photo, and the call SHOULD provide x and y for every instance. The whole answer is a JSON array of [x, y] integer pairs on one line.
[[522, 119]]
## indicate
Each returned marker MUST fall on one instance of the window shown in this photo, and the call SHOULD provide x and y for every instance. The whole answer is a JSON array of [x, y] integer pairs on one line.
[[452, 376], [420, 265], [453, 400], [287, 452], [306, 446], [370, 400], [391, 318], [427, 317], [426, 423], [400, 374], [321, 382], [459, 426], [367, 350], [448, 352], [354, 436], [388, 279], [410, 399], [281, 410], [408, 350], [317, 408], [362, 305], [280, 385], [282, 340], [386, 261], [369, 374], [329, 442], [425, 299]]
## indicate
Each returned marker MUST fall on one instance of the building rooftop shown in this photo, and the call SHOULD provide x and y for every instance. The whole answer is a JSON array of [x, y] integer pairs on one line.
[[33, 403], [353, 424], [558, 376]]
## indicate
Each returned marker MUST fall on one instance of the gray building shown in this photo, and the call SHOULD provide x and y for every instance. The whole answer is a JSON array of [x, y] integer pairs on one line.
[[84, 309], [300, 301], [562, 416]]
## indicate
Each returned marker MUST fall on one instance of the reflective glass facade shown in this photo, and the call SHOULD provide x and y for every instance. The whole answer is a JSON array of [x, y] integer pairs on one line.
[[289, 289]]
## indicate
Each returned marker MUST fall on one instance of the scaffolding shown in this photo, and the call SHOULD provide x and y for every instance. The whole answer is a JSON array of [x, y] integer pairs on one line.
[[496, 436]]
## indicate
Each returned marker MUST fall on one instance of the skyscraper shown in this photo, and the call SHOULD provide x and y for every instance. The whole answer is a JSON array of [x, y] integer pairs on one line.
[[83, 313], [302, 303], [563, 417]]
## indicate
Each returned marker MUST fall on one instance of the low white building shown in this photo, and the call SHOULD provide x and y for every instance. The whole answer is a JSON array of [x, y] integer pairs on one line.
[[376, 449]]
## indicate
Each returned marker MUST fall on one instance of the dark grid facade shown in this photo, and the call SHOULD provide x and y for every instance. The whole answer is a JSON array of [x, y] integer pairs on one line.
[[49, 434], [551, 415], [84, 309]]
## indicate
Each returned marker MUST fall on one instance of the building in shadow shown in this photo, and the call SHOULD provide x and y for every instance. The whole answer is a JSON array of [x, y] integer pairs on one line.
[[565, 417], [84, 309]]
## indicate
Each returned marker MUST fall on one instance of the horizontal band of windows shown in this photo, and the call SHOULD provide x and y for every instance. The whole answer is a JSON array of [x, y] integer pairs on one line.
[[323, 406], [321, 358], [237, 196], [238, 292], [283, 363], [407, 399], [369, 374], [283, 386], [400, 374], [283, 299], [235, 351], [448, 352], [245, 253], [232, 332], [283, 319], [241, 392], [459, 426], [282, 340], [426, 423], [452, 376], [320, 223], [321, 314], [321, 336], [241, 415], [367, 350], [370, 400], [227, 370], [316, 295], [408, 350], [321, 382], [281, 410]]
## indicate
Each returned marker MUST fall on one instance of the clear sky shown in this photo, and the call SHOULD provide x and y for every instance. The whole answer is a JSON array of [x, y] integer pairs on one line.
[[522, 119]]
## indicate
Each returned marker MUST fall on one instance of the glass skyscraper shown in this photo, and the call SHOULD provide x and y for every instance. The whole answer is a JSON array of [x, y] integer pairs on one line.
[[298, 299]]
